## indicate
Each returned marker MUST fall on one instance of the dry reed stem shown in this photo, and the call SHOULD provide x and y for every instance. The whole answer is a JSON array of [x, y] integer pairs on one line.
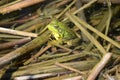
[[19, 21], [74, 78], [37, 42], [87, 34], [68, 67], [118, 38], [15, 32], [103, 1], [97, 32], [13, 43], [19, 6], [96, 70], [29, 77], [37, 54]]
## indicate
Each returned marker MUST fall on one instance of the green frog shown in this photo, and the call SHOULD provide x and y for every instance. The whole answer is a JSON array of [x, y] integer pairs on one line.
[[62, 33]]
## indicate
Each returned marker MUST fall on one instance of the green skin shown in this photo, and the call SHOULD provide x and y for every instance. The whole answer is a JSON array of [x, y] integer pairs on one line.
[[61, 32]]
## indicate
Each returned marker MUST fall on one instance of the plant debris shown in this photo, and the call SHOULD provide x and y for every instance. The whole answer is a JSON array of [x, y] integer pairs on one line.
[[59, 40]]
